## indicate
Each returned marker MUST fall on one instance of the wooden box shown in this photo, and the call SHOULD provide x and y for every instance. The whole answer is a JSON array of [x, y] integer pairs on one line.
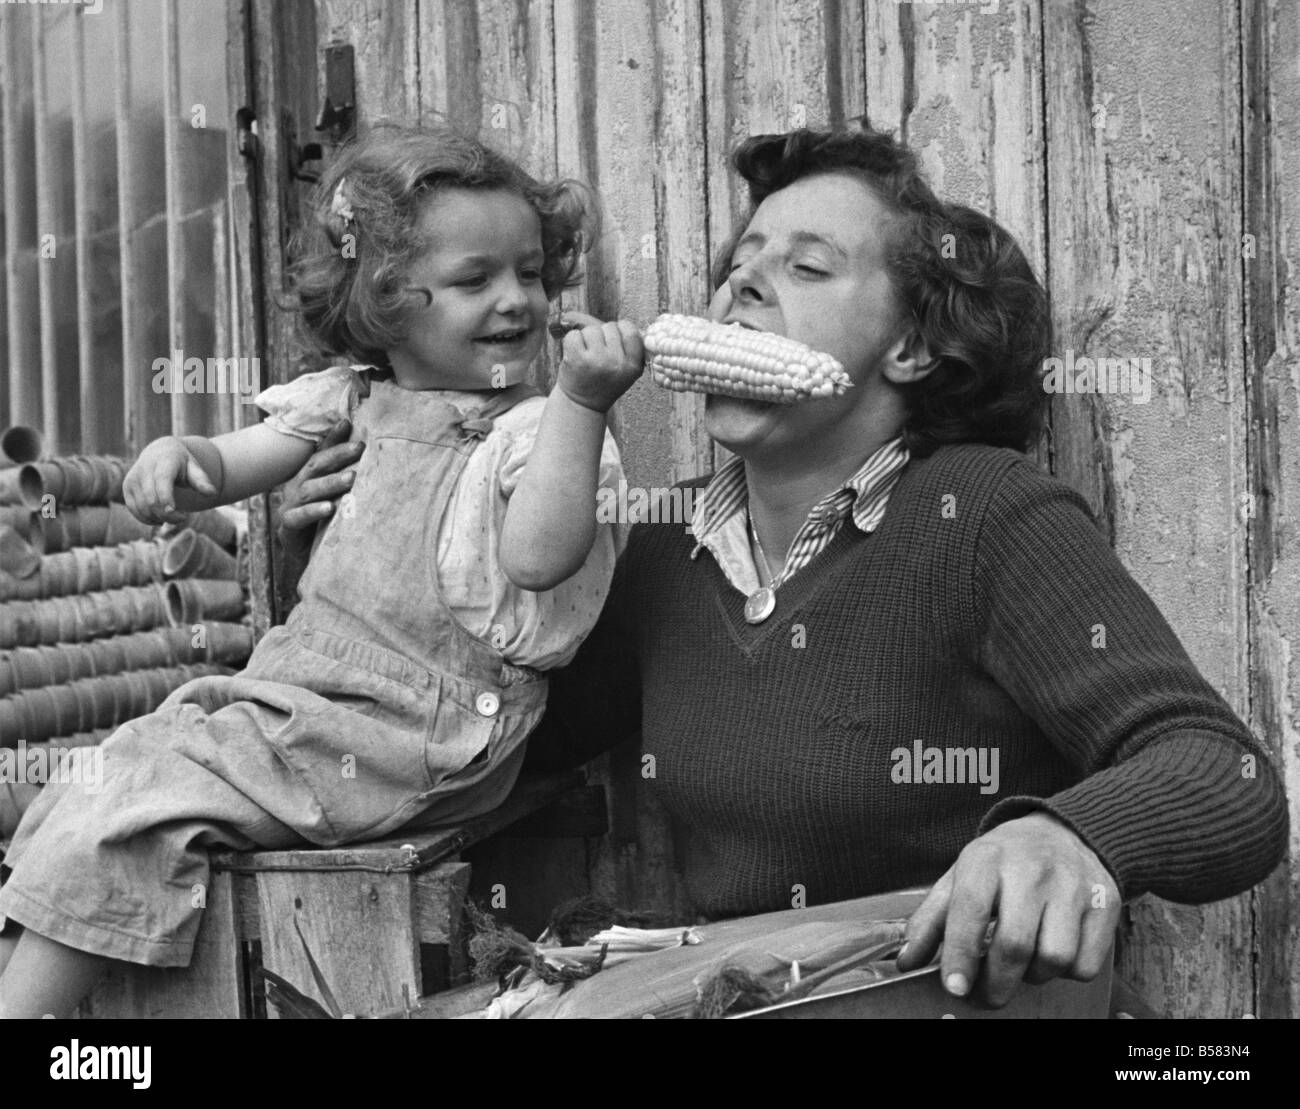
[[382, 920]]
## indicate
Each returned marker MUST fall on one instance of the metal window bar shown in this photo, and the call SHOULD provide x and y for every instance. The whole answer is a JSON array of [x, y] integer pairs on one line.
[[21, 301], [57, 173]]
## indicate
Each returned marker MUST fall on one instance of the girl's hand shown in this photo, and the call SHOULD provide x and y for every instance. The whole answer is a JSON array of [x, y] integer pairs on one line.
[[149, 488], [601, 361]]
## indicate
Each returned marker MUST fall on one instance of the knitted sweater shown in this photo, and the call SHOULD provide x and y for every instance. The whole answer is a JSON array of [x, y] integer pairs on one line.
[[982, 655]]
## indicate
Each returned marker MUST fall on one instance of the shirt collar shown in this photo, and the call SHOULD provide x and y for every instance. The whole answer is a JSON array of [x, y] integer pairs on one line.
[[865, 493]]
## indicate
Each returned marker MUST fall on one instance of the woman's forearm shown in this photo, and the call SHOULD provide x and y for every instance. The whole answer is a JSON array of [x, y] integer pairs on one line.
[[550, 523]]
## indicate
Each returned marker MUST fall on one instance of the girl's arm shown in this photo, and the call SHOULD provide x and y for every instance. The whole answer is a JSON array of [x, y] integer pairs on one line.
[[550, 521], [174, 476]]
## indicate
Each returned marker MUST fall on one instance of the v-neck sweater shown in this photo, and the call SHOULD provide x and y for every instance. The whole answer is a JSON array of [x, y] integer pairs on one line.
[[845, 745]]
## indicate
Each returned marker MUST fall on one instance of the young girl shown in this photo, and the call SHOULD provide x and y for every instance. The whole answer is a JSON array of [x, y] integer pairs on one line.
[[464, 562]]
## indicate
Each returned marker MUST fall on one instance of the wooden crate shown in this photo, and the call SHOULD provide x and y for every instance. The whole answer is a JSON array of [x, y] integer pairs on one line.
[[382, 920]]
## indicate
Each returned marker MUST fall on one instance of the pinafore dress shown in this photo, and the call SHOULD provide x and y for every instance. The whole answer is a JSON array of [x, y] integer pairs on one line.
[[370, 706]]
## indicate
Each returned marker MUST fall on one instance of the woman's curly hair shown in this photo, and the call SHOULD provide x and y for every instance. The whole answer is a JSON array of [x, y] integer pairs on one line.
[[355, 249], [970, 292]]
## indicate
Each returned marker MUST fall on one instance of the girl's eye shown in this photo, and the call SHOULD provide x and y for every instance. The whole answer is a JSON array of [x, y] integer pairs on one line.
[[531, 274], [804, 268], [472, 282]]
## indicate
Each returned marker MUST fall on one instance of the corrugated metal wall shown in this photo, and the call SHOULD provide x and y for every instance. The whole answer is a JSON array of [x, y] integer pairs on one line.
[[116, 232]]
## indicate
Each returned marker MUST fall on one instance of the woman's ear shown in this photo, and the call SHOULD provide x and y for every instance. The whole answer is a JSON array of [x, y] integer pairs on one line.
[[909, 360]]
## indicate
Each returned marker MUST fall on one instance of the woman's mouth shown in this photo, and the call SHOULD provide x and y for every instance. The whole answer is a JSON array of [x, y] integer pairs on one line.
[[715, 401]]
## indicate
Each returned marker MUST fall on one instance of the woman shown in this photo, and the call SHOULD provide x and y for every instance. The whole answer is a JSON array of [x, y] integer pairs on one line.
[[948, 678]]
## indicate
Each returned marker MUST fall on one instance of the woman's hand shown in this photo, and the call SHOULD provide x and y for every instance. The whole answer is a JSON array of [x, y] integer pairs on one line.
[[149, 488], [308, 497], [1055, 904], [601, 361]]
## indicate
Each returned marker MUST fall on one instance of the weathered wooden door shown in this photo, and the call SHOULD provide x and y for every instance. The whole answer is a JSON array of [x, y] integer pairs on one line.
[[1142, 155]]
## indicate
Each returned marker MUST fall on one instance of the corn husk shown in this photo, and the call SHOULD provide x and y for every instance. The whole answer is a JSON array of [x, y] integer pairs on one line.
[[667, 983], [618, 938]]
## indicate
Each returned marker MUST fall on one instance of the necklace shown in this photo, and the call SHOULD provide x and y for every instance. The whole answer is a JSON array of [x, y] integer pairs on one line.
[[762, 603]]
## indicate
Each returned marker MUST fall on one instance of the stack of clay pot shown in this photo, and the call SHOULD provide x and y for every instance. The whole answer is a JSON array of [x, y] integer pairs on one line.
[[101, 617]]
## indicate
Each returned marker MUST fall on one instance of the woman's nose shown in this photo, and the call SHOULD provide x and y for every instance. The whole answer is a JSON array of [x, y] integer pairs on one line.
[[746, 284]]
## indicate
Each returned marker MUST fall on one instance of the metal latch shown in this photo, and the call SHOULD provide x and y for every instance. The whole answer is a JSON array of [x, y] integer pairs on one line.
[[338, 113]]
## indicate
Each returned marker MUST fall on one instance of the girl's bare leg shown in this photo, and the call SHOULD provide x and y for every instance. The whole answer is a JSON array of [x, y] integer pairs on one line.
[[44, 977]]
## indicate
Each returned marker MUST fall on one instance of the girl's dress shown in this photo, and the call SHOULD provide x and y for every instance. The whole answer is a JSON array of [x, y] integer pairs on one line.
[[404, 683]]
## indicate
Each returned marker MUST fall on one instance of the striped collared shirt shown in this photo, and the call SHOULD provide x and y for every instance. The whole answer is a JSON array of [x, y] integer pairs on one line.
[[721, 518]]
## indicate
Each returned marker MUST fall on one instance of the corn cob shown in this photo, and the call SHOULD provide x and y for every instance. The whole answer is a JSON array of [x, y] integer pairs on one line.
[[689, 353]]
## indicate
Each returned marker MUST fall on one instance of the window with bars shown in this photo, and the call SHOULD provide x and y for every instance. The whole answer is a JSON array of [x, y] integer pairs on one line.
[[116, 233]]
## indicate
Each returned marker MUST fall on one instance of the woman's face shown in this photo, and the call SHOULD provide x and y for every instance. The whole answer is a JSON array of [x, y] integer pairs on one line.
[[811, 266]]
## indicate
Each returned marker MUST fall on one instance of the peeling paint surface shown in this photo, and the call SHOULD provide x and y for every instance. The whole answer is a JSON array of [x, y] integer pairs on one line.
[[1118, 142]]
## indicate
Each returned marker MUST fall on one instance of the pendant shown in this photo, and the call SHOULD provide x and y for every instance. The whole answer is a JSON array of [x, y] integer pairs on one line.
[[760, 605]]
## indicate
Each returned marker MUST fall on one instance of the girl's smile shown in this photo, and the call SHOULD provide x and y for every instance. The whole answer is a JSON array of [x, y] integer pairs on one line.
[[478, 311]]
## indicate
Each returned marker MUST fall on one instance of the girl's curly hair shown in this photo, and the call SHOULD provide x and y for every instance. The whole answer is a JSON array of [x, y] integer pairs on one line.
[[970, 292], [353, 253]]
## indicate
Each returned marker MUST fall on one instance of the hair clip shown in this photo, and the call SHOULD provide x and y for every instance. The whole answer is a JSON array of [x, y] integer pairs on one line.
[[340, 206]]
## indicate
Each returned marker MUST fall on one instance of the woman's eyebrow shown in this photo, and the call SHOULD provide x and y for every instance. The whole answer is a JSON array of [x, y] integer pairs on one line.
[[797, 238], [811, 238]]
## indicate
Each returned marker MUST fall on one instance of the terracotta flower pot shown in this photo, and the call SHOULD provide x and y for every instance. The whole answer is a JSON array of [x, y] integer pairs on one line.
[[11, 491], [18, 517], [17, 556], [16, 628], [119, 525], [11, 722], [52, 710], [218, 527], [54, 621], [19, 444], [193, 555], [30, 668], [91, 738], [13, 672], [72, 481], [143, 650], [99, 702], [230, 644], [195, 600]]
